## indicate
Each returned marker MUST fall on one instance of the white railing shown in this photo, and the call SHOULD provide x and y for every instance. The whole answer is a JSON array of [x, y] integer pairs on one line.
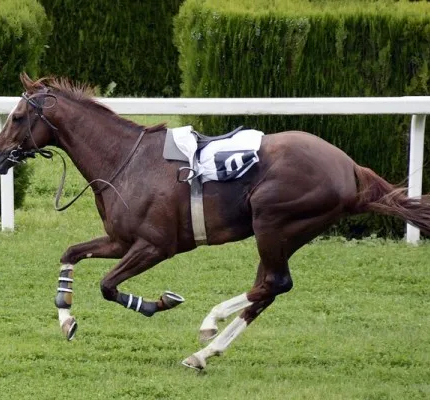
[[417, 106]]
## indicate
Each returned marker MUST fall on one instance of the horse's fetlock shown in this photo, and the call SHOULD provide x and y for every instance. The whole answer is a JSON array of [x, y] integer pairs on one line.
[[63, 300], [216, 349]]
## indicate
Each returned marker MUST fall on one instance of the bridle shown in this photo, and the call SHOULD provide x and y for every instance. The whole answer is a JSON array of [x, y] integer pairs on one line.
[[18, 155]]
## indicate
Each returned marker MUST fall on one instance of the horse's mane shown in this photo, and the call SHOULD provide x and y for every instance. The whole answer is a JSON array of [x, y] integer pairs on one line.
[[84, 93]]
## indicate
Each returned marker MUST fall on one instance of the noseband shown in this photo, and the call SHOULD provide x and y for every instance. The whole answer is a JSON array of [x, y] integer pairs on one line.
[[19, 154]]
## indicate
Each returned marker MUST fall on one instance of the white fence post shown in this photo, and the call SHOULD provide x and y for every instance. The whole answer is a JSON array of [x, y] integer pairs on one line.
[[416, 155], [7, 199]]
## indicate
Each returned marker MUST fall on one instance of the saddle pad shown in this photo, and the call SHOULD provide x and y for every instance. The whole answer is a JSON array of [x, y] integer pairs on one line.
[[171, 151]]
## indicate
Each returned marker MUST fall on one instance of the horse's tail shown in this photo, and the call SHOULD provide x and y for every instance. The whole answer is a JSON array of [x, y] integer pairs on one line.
[[377, 195]]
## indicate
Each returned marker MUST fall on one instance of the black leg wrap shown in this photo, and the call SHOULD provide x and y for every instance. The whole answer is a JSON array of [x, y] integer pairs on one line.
[[65, 291], [148, 309]]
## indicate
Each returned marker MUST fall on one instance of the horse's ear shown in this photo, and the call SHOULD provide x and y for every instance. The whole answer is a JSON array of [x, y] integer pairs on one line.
[[29, 85]]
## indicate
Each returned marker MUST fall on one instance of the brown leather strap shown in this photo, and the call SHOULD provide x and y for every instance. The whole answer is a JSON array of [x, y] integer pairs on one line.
[[126, 161], [106, 183]]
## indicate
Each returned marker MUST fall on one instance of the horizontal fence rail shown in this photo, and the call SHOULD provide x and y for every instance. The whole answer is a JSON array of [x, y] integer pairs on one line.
[[258, 106], [417, 106]]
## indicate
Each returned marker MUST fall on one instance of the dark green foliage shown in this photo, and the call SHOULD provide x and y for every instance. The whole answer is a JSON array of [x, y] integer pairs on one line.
[[127, 42], [284, 48], [24, 30], [23, 33], [22, 174]]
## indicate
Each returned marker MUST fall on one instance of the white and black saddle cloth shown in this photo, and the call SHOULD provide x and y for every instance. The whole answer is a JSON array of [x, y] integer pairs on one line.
[[214, 159]]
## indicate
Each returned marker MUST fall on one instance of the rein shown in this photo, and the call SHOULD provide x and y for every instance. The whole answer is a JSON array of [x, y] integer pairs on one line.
[[18, 155], [106, 183], [123, 165]]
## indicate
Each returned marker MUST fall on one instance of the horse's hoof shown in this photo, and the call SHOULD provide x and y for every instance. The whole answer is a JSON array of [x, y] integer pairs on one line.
[[208, 334], [171, 300], [194, 362], [69, 328]]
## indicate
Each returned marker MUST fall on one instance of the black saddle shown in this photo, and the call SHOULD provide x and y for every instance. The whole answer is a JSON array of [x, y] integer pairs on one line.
[[203, 140]]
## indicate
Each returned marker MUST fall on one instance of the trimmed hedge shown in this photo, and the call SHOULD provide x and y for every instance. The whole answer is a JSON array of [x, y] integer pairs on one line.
[[290, 48], [127, 42], [24, 31]]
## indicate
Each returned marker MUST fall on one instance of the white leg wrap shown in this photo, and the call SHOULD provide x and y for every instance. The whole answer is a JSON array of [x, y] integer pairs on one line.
[[63, 315], [66, 266], [223, 310], [130, 300], [220, 344]]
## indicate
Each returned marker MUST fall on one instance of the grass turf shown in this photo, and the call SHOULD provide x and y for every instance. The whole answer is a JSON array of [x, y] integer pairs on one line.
[[356, 325]]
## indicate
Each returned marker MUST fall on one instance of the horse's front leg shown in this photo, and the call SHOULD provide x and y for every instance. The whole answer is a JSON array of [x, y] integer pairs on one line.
[[102, 247], [140, 257]]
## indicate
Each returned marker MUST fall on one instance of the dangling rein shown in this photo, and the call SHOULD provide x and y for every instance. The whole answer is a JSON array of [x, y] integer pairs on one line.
[[98, 191]]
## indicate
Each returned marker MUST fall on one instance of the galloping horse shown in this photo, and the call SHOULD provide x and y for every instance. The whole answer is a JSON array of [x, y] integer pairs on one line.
[[300, 187]]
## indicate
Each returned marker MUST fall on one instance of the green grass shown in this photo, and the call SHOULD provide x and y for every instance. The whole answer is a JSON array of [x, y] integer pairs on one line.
[[355, 326]]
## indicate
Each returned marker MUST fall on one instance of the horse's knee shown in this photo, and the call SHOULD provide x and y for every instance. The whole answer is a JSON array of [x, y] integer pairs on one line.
[[69, 256], [109, 293]]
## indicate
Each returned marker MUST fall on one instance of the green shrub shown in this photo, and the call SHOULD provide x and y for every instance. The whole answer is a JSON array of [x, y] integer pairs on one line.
[[24, 30], [286, 48], [22, 176], [127, 42]]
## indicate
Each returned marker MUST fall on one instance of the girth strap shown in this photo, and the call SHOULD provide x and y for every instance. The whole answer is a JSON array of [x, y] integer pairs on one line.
[[197, 211]]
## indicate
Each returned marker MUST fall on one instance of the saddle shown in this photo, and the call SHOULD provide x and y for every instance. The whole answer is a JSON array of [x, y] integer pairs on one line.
[[171, 151], [203, 140]]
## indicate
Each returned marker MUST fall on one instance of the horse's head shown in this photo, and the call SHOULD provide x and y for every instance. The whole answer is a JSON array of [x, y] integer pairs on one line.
[[27, 130]]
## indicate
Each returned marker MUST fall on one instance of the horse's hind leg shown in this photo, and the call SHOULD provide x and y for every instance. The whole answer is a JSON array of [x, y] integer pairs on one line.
[[231, 332], [102, 247], [209, 328], [273, 278]]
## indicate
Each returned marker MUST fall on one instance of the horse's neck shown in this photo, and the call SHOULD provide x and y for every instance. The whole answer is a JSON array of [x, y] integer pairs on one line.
[[96, 144]]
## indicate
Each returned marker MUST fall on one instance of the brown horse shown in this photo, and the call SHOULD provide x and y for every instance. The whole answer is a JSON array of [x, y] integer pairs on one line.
[[300, 187]]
